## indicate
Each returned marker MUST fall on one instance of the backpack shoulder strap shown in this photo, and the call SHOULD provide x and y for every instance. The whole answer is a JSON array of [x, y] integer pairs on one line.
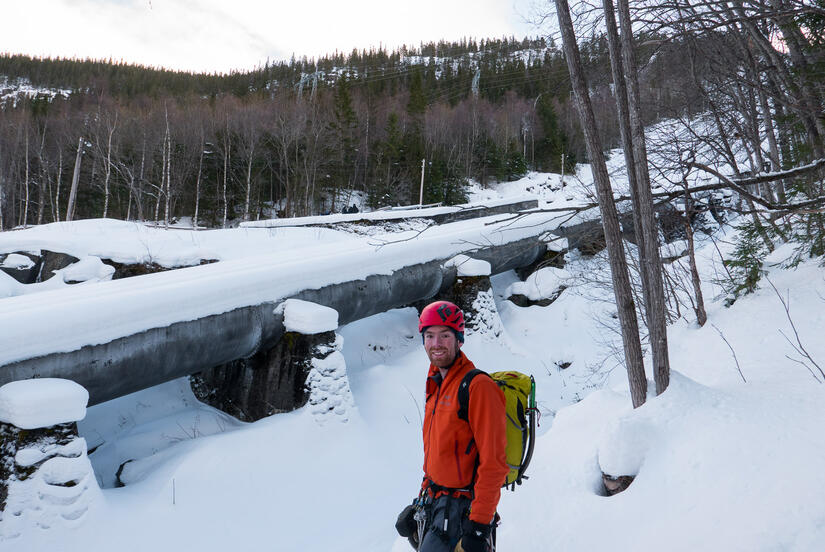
[[464, 393]]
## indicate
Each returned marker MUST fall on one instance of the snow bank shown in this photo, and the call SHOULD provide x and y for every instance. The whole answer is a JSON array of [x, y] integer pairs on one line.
[[8, 285], [135, 243], [308, 318], [36, 403], [739, 467]]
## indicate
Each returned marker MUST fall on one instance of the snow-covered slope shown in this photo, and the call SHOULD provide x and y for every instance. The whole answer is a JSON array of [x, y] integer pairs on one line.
[[720, 463]]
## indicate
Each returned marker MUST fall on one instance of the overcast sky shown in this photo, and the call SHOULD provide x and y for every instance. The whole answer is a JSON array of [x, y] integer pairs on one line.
[[222, 35]]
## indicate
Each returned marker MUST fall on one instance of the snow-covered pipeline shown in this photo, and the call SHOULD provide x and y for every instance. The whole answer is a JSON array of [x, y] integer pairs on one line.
[[118, 337]]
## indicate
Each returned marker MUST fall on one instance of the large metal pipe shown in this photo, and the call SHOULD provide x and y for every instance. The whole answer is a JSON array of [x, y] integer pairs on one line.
[[154, 356]]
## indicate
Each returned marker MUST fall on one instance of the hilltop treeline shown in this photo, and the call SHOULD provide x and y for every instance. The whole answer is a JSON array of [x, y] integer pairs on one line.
[[152, 144]]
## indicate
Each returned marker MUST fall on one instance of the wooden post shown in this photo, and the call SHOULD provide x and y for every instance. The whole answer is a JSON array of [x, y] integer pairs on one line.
[[421, 190]]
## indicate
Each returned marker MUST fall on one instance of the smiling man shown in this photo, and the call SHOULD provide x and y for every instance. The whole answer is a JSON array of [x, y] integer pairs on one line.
[[464, 454]]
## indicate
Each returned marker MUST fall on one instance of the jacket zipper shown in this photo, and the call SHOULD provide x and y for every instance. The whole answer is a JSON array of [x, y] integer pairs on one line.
[[457, 461], [430, 428]]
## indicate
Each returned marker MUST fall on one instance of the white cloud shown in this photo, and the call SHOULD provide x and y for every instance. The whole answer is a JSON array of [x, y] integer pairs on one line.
[[221, 35]]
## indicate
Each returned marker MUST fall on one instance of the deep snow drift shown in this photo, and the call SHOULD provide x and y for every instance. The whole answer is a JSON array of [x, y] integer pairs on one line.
[[720, 463]]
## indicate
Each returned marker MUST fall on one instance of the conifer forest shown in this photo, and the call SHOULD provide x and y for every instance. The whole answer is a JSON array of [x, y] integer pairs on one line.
[[101, 138]]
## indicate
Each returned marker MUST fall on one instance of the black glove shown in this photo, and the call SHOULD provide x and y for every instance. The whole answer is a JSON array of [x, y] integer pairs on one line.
[[406, 525], [474, 537]]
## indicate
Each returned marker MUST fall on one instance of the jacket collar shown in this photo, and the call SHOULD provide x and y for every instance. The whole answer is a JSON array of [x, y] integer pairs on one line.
[[434, 377]]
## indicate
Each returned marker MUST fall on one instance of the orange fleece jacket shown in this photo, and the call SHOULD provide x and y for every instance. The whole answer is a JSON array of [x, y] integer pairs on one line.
[[452, 445]]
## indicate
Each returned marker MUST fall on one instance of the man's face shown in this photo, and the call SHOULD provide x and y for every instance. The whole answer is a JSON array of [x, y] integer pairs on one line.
[[441, 345]]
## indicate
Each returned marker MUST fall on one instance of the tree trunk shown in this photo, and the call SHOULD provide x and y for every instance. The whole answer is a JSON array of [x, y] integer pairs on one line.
[[773, 146], [167, 168], [44, 179], [610, 220], [226, 154], [131, 194], [108, 169], [139, 196], [25, 221], [198, 187], [75, 180], [57, 185], [167, 209], [651, 263], [248, 182], [2, 192], [699, 309]]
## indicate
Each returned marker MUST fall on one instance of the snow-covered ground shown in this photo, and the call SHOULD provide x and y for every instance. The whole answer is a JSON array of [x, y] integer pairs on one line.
[[726, 459]]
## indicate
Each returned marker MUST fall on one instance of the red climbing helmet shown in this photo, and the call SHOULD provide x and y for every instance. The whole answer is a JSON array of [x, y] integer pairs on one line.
[[442, 313]]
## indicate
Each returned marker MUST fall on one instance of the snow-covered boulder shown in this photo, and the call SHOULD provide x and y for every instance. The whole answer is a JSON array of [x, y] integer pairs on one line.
[[87, 269], [21, 266], [540, 288]]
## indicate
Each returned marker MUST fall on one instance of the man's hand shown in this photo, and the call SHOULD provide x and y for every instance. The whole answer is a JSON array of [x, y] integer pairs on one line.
[[406, 524], [474, 538]]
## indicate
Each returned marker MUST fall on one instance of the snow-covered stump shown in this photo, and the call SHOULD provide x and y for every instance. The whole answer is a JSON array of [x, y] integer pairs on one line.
[[306, 365], [541, 288], [46, 478], [473, 292]]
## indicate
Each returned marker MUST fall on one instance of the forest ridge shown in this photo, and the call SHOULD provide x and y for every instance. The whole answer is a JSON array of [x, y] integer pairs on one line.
[[153, 144]]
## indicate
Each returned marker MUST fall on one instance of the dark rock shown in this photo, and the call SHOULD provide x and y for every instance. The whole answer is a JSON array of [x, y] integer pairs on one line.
[[671, 223], [127, 270], [51, 261], [674, 258], [26, 275], [554, 259], [268, 382], [523, 301], [470, 292], [464, 293], [13, 439], [587, 237], [118, 481], [615, 485]]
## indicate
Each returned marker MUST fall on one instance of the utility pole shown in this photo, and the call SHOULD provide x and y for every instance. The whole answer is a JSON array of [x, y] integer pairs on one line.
[[75, 179], [421, 190], [562, 170]]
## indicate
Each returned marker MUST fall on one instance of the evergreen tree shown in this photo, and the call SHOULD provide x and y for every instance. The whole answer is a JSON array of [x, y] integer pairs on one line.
[[553, 142]]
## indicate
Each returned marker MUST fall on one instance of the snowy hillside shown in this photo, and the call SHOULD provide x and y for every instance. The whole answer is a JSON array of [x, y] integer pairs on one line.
[[727, 459], [12, 90]]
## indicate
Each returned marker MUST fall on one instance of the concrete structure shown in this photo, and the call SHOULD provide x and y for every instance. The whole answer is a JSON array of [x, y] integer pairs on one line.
[[151, 357]]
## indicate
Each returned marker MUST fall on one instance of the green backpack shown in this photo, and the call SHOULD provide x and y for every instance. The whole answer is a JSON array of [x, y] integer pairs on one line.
[[520, 396]]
